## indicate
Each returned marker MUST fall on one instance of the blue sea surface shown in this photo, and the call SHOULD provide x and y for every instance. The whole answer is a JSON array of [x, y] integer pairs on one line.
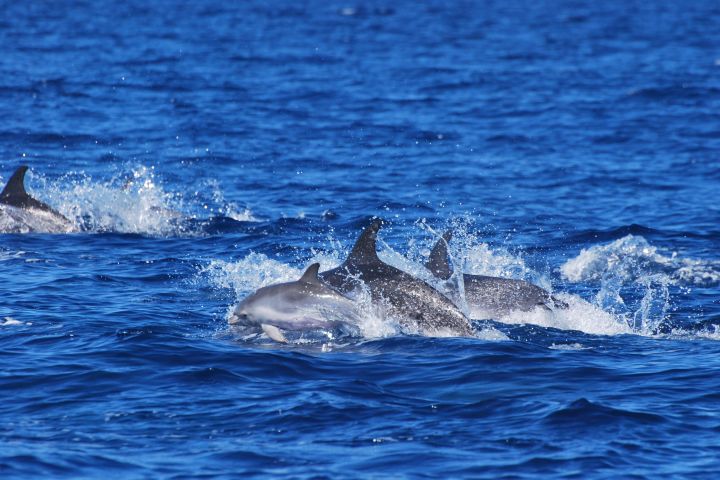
[[206, 149]]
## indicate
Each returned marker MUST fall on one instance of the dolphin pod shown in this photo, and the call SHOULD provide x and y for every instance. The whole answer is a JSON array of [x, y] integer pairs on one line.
[[325, 300], [417, 305]]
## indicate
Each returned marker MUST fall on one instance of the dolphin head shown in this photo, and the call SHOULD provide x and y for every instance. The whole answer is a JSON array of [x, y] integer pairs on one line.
[[305, 304]]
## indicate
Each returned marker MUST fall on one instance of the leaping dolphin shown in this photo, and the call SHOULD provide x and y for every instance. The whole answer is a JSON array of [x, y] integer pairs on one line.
[[305, 304], [413, 302], [491, 296], [25, 212]]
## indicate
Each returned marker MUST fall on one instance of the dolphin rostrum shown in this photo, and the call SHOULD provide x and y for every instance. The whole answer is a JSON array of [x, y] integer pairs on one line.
[[491, 296], [305, 304], [413, 302], [28, 213]]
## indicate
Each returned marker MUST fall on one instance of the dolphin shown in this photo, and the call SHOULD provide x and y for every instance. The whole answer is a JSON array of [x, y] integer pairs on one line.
[[305, 304], [491, 296], [26, 213], [413, 302]]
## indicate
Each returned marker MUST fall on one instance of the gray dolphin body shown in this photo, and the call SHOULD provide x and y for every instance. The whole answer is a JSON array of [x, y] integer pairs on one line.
[[413, 302], [305, 304], [491, 296], [19, 212]]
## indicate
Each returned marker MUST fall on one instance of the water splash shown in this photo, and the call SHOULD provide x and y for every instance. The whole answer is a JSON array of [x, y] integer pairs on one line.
[[131, 202], [631, 262], [607, 314], [580, 315], [229, 209], [632, 258], [10, 322], [470, 254], [135, 203], [248, 274]]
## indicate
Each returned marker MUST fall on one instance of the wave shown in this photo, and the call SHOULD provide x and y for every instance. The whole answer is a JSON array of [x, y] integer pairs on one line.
[[673, 93], [9, 255], [613, 233], [586, 413], [633, 259]]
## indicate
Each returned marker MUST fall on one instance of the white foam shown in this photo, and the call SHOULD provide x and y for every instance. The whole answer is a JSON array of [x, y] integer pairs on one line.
[[580, 315], [711, 332], [230, 209], [567, 346], [491, 334], [7, 255]]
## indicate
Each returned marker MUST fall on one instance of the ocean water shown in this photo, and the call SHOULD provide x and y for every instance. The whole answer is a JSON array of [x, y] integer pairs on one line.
[[205, 149]]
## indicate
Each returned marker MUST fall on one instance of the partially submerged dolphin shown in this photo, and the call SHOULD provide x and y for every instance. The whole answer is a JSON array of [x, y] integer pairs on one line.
[[491, 296], [306, 304], [413, 302], [19, 212]]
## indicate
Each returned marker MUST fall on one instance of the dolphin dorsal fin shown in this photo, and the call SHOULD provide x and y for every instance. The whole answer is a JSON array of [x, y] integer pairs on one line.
[[438, 263], [365, 249], [311, 274], [15, 188]]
